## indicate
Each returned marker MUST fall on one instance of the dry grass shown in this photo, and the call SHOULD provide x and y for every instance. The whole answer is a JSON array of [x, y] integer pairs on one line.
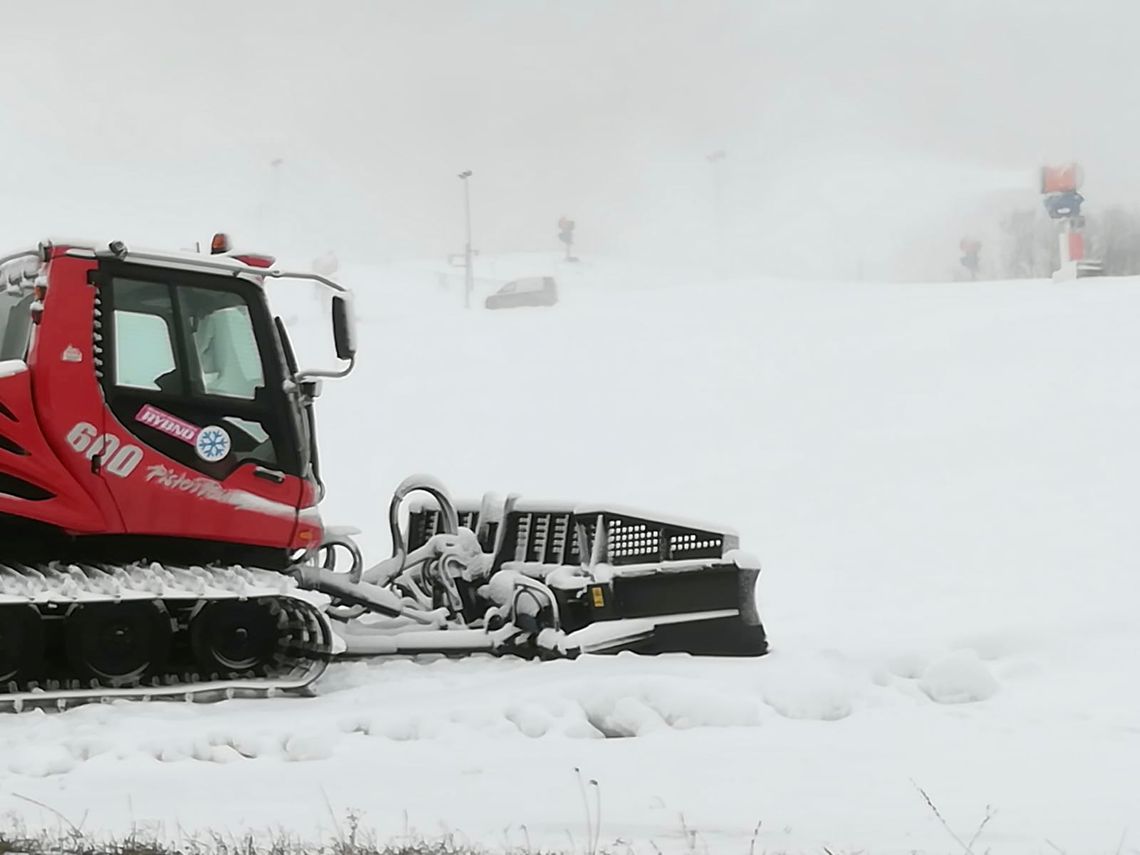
[[349, 838], [68, 842]]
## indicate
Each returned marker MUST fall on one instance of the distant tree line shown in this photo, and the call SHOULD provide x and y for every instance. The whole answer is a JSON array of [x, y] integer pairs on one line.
[[1115, 235], [1030, 247]]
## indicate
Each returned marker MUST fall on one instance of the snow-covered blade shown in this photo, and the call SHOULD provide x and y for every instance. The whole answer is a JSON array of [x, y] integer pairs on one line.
[[613, 578]]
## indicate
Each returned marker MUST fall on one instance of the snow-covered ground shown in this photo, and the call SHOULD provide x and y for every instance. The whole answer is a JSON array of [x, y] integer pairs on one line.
[[940, 480]]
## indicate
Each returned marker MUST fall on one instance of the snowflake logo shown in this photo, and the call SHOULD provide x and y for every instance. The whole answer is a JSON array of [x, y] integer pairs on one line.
[[213, 444]]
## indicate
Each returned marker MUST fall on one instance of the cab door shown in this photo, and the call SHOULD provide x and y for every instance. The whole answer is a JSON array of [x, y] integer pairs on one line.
[[196, 406]]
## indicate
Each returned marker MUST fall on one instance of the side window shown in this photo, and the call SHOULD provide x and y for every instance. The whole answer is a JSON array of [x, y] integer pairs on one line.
[[144, 341], [143, 350], [15, 325]]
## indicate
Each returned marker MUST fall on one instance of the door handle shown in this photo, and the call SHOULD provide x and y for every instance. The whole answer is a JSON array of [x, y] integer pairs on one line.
[[269, 474]]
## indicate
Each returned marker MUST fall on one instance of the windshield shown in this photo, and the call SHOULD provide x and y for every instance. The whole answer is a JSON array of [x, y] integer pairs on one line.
[[15, 325], [227, 351]]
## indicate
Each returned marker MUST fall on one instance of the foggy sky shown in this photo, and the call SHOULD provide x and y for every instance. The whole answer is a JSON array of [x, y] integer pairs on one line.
[[879, 124]]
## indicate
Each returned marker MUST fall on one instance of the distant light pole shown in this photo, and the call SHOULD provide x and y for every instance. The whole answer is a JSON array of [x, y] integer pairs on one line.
[[468, 271]]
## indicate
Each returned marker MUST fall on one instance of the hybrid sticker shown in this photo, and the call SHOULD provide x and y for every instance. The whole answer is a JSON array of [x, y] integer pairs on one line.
[[213, 444], [168, 424]]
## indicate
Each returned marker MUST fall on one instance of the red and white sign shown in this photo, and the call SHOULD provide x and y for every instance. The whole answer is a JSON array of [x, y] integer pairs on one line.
[[168, 424]]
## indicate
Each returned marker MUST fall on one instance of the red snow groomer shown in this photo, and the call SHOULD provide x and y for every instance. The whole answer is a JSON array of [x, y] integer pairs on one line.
[[159, 533]]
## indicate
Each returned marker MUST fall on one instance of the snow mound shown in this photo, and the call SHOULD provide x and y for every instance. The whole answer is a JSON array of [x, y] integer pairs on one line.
[[960, 678], [314, 746], [406, 728], [231, 745], [910, 665], [607, 708], [621, 709], [810, 698], [535, 719], [42, 761]]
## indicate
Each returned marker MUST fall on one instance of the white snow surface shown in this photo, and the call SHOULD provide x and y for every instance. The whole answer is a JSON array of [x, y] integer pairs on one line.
[[939, 480]]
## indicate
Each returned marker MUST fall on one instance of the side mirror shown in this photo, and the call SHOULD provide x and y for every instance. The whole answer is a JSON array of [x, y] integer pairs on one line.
[[344, 328]]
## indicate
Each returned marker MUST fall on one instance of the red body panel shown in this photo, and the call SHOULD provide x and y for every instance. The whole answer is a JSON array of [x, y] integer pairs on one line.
[[309, 530], [63, 421], [162, 497], [72, 508], [64, 387]]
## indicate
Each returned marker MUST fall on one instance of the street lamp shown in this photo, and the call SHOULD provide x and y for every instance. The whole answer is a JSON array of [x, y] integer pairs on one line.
[[468, 272]]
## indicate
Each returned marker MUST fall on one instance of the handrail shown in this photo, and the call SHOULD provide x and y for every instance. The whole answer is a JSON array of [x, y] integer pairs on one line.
[[234, 267], [27, 253]]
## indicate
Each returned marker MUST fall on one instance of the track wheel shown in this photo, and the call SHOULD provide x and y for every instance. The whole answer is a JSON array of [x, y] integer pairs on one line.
[[21, 644], [233, 636], [117, 644]]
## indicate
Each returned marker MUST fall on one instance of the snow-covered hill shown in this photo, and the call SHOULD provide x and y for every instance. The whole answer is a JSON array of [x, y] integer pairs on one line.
[[940, 481]]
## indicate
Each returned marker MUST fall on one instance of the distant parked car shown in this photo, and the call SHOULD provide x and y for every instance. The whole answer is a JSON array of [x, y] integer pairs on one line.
[[533, 291]]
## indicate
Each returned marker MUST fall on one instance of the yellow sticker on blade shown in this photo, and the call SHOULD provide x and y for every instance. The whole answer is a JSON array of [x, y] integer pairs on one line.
[[599, 598]]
